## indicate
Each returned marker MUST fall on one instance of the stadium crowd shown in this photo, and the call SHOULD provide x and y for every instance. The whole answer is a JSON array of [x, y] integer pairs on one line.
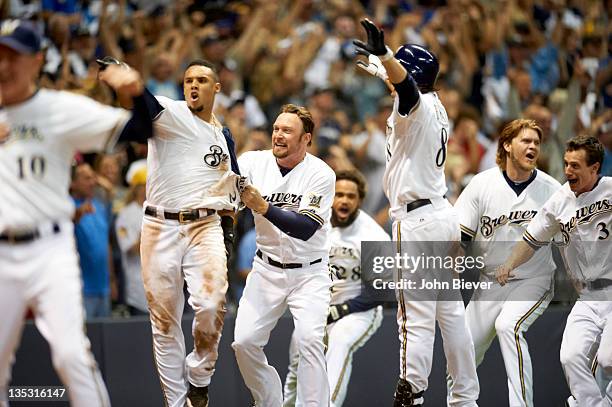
[[547, 60]]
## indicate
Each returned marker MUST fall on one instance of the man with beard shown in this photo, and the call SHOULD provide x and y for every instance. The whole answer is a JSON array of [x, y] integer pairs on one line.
[[290, 268], [494, 208], [581, 210], [353, 318], [190, 194]]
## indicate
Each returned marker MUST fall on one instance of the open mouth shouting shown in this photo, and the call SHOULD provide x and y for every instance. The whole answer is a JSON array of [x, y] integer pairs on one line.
[[343, 212], [194, 96], [572, 181]]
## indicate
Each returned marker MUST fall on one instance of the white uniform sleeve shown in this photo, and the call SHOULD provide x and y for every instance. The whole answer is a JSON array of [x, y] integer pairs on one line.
[[90, 125], [467, 208], [244, 163], [319, 196], [544, 225], [128, 233]]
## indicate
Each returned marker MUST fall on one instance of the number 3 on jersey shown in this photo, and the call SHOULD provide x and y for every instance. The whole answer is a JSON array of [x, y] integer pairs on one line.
[[603, 231], [31, 167]]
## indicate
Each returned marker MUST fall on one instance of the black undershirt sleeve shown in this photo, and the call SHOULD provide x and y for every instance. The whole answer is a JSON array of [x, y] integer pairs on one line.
[[140, 126], [293, 224], [362, 303], [408, 93]]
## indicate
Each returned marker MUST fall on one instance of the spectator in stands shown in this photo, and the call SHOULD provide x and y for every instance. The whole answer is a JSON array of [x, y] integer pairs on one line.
[[92, 228], [127, 227], [162, 81]]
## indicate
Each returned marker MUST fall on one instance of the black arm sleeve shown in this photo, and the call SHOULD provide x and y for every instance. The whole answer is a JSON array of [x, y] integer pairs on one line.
[[362, 303], [140, 126], [232, 149], [293, 224], [408, 93]]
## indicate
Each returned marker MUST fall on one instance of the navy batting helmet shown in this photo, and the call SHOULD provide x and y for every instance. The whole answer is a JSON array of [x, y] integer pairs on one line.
[[422, 65]]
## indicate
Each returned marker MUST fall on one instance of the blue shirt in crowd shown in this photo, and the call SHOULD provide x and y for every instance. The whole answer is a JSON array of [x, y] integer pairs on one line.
[[92, 238]]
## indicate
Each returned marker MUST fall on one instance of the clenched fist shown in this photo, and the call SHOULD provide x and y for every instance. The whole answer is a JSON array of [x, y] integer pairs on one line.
[[123, 80], [251, 197]]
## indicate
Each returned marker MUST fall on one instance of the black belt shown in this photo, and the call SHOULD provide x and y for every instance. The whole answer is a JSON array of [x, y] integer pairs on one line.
[[24, 236], [184, 216], [417, 204], [285, 265], [598, 284]]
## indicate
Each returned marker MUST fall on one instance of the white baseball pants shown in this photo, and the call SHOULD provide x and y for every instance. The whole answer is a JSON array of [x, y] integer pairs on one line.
[[44, 276], [416, 319], [518, 304], [195, 252], [344, 338], [587, 335], [268, 292]]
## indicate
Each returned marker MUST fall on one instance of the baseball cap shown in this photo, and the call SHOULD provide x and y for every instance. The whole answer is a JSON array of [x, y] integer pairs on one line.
[[20, 36], [137, 173]]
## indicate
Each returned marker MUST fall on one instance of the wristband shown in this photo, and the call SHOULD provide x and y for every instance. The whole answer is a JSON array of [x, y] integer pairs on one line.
[[387, 56]]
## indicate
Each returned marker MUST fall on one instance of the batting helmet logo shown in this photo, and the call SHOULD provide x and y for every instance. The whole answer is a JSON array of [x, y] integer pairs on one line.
[[422, 65]]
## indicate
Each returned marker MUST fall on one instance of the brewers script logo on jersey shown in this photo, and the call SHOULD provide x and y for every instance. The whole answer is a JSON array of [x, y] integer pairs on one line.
[[215, 157], [516, 218], [583, 216], [24, 133], [284, 200]]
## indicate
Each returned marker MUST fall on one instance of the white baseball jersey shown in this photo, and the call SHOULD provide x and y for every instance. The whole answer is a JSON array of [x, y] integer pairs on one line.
[[345, 255], [188, 164], [307, 189], [128, 226], [45, 132], [493, 215], [585, 223], [416, 153]]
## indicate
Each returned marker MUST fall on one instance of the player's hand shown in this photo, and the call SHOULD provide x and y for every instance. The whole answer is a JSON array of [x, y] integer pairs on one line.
[[374, 67], [336, 312], [503, 273], [123, 80], [376, 40], [251, 197]]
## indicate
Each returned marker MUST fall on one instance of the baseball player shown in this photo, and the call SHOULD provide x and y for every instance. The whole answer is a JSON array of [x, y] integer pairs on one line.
[[582, 212], [417, 134], [353, 318], [496, 207], [40, 131], [291, 194], [191, 194]]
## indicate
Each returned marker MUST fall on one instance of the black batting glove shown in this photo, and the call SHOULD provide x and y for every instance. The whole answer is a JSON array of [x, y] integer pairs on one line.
[[227, 224], [337, 311], [376, 40]]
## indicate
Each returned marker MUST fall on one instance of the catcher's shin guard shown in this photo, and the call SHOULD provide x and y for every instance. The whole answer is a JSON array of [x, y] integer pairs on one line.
[[405, 397]]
